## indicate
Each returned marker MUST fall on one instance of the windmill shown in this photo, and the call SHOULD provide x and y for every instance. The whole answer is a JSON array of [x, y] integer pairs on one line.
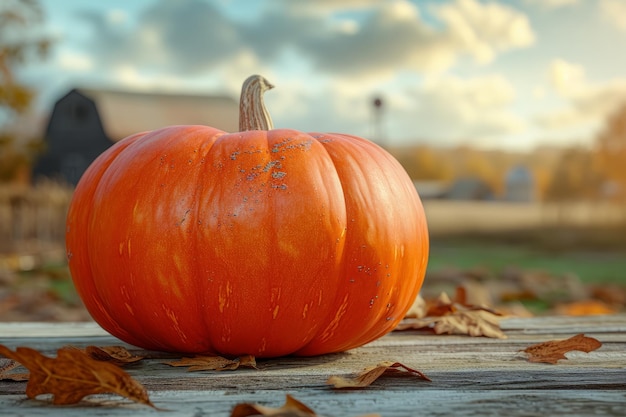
[[378, 134]]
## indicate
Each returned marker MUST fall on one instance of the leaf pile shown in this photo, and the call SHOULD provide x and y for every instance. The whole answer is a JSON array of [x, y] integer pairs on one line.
[[446, 316], [528, 292], [72, 375], [555, 350]]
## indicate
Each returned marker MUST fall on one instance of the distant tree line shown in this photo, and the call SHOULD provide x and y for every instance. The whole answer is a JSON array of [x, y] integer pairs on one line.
[[573, 173], [19, 44]]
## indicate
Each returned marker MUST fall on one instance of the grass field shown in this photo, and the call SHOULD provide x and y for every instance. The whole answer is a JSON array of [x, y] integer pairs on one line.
[[591, 266], [546, 271], [585, 239]]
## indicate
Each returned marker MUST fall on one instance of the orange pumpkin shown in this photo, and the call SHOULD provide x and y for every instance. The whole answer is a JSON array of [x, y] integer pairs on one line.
[[266, 241]]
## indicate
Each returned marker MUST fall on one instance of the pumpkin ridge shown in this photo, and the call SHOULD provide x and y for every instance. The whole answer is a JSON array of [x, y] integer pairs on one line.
[[86, 286], [361, 150], [205, 171]]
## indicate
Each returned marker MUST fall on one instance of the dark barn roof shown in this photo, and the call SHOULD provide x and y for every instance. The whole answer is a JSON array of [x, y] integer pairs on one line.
[[86, 122], [124, 113]]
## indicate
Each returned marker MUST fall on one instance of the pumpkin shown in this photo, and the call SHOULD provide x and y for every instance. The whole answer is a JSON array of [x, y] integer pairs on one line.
[[266, 242]]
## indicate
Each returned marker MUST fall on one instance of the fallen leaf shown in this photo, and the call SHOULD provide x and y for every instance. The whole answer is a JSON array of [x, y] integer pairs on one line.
[[610, 294], [73, 375], [248, 361], [214, 363], [369, 375], [470, 322], [554, 350], [117, 355], [292, 408], [418, 309], [584, 308], [6, 371], [445, 316]]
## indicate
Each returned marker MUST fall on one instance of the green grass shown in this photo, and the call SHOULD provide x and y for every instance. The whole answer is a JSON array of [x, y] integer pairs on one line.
[[56, 279], [591, 266]]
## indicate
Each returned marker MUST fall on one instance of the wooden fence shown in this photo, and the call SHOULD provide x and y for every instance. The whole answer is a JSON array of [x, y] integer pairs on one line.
[[33, 216], [455, 216]]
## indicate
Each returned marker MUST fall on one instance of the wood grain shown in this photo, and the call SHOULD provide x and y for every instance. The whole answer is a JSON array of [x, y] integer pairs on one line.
[[470, 376]]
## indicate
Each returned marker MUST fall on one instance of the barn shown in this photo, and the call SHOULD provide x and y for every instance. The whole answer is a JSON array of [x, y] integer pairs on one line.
[[86, 122], [520, 185]]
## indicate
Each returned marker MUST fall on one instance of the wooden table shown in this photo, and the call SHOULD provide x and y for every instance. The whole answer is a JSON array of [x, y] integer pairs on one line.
[[471, 376]]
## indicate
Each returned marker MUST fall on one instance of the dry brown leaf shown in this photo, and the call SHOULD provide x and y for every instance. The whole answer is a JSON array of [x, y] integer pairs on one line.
[[247, 361], [554, 350], [214, 363], [369, 375], [73, 375], [445, 316], [117, 355], [6, 371], [470, 322], [292, 408], [418, 308]]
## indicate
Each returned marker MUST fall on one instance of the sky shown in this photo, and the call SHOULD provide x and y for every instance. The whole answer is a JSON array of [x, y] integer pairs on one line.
[[511, 74]]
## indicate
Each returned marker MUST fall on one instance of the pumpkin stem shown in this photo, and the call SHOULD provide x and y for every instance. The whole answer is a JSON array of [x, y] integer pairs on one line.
[[252, 112]]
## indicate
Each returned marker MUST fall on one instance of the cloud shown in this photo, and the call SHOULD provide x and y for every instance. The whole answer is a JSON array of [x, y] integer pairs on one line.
[[615, 12], [553, 4], [69, 60], [585, 102], [332, 105], [482, 29], [188, 36], [457, 108], [445, 109], [591, 105], [328, 59], [565, 77], [117, 16], [323, 7], [192, 37], [393, 35]]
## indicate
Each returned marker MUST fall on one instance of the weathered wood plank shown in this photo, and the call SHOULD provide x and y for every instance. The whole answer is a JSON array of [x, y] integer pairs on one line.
[[566, 324], [219, 403], [470, 376], [535, 325]]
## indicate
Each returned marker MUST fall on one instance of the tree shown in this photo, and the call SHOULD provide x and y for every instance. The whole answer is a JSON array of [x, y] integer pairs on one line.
[[470, 162], [610, 151], [18, 45], [574, 177], [425, 164]]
